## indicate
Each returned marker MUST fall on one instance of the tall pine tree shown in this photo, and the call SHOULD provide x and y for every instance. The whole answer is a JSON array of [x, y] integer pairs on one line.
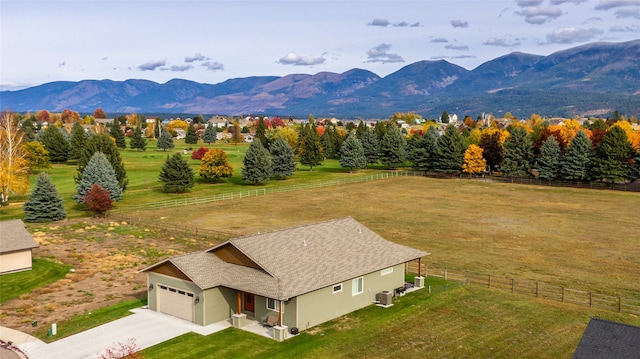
[[103, 143], [283, 159], [191, 137], [115, 130], [261, 132], [28, 129], [55, 143], [98, 171], [210, 134], [549, 159], [257, 164], [450, 151], [165, 141], [309, 147], [44, 203], [370, 146], [393, 147], [576, 163], [176, 175], [137, 140], [352, 153], [78, 141], [518, 154], [613, 156]]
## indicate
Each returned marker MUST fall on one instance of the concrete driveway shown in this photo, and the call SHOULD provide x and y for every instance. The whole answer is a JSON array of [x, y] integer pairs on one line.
[[147, 327]]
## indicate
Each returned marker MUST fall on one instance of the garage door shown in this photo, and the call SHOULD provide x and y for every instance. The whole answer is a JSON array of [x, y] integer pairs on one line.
[[175, 302]]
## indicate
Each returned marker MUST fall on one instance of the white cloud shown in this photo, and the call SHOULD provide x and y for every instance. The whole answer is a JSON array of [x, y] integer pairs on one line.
[[492, 41], [197, 57], [295, 60], [611, 4], [571, 35], [152, 65], [180, 68], [379, 22], [457, 47], [381, 54], [627, 13], [459, 23], [538, 16], [213, 66]]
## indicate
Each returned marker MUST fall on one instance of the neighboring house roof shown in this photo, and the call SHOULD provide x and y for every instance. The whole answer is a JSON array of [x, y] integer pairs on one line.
[[14, 236], [290, 262], [607, 339]]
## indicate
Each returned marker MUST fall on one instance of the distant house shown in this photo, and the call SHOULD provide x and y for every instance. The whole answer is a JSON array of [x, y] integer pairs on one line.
[[607, 339], [16, 244], [180, 133], [300, 276], [218, 121]]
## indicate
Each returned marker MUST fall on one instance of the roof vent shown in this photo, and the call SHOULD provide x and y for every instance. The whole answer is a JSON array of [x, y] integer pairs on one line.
[[304, 242], [359, 230]]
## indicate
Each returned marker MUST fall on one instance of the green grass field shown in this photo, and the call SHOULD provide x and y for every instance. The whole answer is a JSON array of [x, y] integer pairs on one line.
[[466, 322], [43, 272]]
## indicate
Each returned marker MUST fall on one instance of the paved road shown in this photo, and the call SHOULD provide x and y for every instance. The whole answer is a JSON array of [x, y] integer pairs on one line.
[[147, 327]]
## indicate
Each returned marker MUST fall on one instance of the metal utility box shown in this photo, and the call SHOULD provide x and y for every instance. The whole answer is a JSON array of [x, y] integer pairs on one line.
[[386, 298]]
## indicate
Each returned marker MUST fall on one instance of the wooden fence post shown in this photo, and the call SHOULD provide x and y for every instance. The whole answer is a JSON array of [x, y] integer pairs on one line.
[[488, 280], [619, 303], [445, 274], [536, 288], [563, 294], [512, 285], [590, 298]]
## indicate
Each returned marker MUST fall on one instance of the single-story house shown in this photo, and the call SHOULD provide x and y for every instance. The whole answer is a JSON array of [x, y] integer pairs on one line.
[[607, 339], [16, 244], [302, 276]]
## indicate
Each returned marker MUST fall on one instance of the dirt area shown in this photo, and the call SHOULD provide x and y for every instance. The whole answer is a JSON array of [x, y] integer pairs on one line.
[[105, 257]]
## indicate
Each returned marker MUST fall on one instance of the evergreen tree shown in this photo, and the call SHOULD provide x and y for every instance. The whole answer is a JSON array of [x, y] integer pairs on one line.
[[283, 159], [98, 171], [393, 147], [576, 163], [370, 147], [309, 147], [328, 142], [549, 160], [257, 164], [103, 143], [157, 128], [518, 154], [492, 150], [430, 145], [634, 172], [176, 175], [210, 134], [78, 141], [613, 156], [191, 137], [380, 130], [28, 129], [165, 141], [450, 151], [115, 130], [44, 203], [444, 118], [352, 153], [137, 140], [261, 132], [362, 128], [55, 143]]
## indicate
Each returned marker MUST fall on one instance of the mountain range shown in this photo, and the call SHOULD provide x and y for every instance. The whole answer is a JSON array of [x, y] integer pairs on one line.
[[589, 80]]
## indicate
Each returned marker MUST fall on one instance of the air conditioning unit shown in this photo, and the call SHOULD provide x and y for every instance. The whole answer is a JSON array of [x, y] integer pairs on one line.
[[386, 298]]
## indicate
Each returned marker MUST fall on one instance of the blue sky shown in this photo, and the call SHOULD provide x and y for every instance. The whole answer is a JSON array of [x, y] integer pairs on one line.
[[211, 41]]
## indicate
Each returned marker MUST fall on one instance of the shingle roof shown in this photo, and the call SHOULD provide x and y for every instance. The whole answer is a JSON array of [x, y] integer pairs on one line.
[[606, 339], [297, 260], [14, 236]]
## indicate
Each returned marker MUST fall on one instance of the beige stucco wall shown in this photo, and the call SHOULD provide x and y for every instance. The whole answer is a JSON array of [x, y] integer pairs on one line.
[[322, 305], [15, 261]]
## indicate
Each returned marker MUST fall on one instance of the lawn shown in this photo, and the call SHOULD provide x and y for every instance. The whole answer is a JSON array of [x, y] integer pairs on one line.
[[578, 238], [465, 322], [43, 272]]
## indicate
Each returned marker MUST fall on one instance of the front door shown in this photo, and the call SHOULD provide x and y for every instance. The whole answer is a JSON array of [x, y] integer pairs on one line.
[[249, 302]]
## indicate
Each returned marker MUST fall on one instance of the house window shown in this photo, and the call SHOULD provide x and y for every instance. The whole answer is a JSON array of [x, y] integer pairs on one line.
[[273, 304], [386, 271], [357, 286], [337, 288]]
